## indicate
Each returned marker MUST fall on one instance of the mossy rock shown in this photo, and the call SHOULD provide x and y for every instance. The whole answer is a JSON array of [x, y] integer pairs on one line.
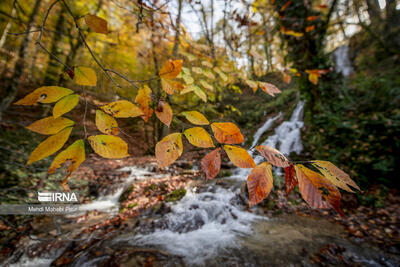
[[176, 195]]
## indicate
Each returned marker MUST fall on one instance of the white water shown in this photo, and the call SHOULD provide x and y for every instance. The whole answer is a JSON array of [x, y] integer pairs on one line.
[[342, 60], [202, 224]]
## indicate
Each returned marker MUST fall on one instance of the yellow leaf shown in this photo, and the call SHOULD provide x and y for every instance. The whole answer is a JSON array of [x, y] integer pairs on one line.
[[50, 125], [197, 70], [171, 69], [259, 183], [269, 88], [239, 157], [105, 123], [97, 24], [197, 136], [188, 89], [75, 153], [109, 146], [169, 149], [207, 64], [335, 175], [195, 117], [200, 93], [252, 84], [187, 78], [227, 133], [170, 86], [85, 76], [122, 109], [164, 112], [221, 74], [209, 74], [143, 98], [206, 85], [313, 78], [66, 104], [45, 94], [50, 146]]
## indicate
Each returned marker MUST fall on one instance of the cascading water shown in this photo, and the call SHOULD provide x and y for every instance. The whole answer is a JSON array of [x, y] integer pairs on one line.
[[342, 60], [203, 223]]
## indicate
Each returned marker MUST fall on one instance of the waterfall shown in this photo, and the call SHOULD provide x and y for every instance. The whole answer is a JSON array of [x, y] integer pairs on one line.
[[342, 60]]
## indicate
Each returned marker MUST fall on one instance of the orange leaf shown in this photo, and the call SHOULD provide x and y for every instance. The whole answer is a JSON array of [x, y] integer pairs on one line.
[[171, 69], [316, 190], [211, 164], [273, 156], [287, 78], [227, 133], [290, 179], [312, 18], [285, 5], [96, 23], [269, 88], [259, 183], [310, 28], [164, 112], [169, 149], [239, 157], [313, 78], [143, 99], [170, 86]]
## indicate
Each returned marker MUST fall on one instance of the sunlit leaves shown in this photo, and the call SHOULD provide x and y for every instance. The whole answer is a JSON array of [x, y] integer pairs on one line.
[[171, 86], [96, 24], [199, 137], [50, 125], [195, 117], [273, 156], [122, 109], [169, 149], [316, 190], [206, 85], [85, 76], [252, 84], [106, 123], [200, 93], [291, 32], [269, 88], [164, 112], [227, 133], [45, 94], [209, 74], [49, 146], [109, 146], [66, 104], [290, 179], [211, 164], [74, 155], [259, 183], [197, 70], [171, 69], [239, 157], [206, 64], [335, 175]]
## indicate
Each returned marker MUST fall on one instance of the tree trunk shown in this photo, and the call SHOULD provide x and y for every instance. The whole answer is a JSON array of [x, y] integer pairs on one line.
[[177, 30], [11, 90], [52, 70]]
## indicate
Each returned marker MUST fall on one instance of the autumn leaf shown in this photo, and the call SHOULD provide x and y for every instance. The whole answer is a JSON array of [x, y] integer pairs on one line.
[[200, 93], [285, 5], [169, 149], [290, 32], [171, 69], [211, 164], [286, 78], [273, 156], [206, 85], [312, 18], [290, 179], [106, 123], [197, 70], [316, 190], [269, 88], [252, 84], [50, 146], [96, 24], [239, 157], [122, 109], [221, 74], [209, 74], [187, 78], [206, 64], [109, 146], [227, 133], [45, 94], [164, 112], [199, 137], [335, 175], [66, 104], [310, 28], [170, 86], [85, 76], [75, 154], [50, 125], [143, 98], [259, 183], [195, 117]]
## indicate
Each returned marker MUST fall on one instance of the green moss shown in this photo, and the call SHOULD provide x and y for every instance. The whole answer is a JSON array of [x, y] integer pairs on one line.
[[176, 195]]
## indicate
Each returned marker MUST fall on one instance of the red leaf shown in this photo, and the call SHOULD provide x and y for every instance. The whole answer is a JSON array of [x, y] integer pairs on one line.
[[211, 164], [290, 180]]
